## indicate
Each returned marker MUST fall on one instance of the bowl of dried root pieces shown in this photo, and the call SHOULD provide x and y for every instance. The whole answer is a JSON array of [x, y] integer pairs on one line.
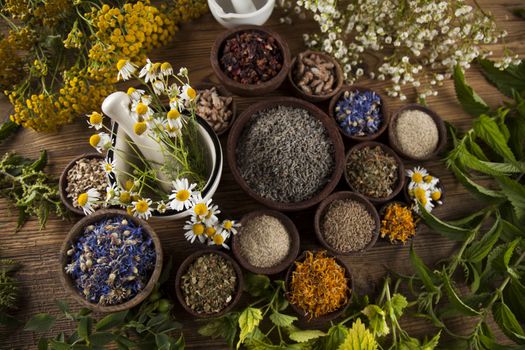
[[216, 105]]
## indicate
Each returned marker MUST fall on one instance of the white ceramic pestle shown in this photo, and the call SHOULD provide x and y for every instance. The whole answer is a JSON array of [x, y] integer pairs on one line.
[[116, 107], [233, 13], [243, 6]]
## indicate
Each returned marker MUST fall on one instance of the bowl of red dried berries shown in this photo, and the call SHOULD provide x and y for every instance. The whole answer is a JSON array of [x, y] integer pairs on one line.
[[250, 60]]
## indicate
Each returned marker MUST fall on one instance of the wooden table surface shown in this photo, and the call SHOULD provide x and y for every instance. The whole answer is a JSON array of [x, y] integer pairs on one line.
[[37, 250]]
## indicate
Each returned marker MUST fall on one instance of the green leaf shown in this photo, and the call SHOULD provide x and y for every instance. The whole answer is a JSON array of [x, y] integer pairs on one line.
[[41, 162], [359, 338], [302, 336], [282, 320], [102, 338], [454, 298], [478, 191], [335, 337], [84, 327], [489, 168], [478, 250], [470, 101], [248, 320], [7, 129], [223, 327], [512, 78], [510, 250], [516, 125], [181, 343], [163, 341], [450, 231], [376, 320], [515, 193], [422, 270], [488, 130], [508, 323], [432, 343], [59, 345], [256, 285], [40, 323], [43, 344], [111, 321]]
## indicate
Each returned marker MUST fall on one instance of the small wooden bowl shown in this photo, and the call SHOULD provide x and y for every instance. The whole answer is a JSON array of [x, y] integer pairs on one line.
[[324, 319], [225, 93], [440, 124], [72, 237], [292, 253], [184, 267], [400, 171], [345, 195], [384, 111], [339, 78], [249, 89], [62, 182], [382, 212], [244, 118]]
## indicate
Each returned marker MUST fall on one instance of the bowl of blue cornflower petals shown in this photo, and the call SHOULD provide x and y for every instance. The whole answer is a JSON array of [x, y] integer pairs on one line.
[[360, 113], [110, 261]]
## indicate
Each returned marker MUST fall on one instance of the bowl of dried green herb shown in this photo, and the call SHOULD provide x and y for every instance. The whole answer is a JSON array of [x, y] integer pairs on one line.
[[318, 287], [208, 283], [267, 242], [250, 60], [346, 223], [375, 171], [110, 261]]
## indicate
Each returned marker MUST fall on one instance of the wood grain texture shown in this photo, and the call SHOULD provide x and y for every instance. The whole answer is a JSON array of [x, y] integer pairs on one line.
[[38, 250]]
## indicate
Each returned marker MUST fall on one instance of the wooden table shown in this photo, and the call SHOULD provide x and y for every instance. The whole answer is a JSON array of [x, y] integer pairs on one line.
[[37, 250]]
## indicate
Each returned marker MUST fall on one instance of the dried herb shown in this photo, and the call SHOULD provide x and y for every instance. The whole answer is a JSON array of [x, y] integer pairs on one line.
[[7, 129], [251, 57], [359, 112], [314, 74], [398, 223], [319, 285], [31, 190], [8, 292], [87, 173]]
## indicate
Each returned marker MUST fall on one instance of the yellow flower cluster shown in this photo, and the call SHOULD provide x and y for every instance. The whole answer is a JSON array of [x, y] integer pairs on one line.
[[185, 10], [52, 12], [11, 68]]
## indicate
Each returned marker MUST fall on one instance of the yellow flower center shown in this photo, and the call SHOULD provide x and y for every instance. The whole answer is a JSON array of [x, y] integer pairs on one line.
[[82, 199], [121, 63], [125, 197], [142, 108], [142, 206], [94, 140], [420, 194], [417, 178], [131, 90], [198, 229], [228, 224], [218, 239], [109, 167], [165, 66], [201, 209], [155, 68], [428, 178], [173, 114], [129, 185], [182, 195], [140, 127], [436, 195], [95, 118], [210, 231], [191, 92]]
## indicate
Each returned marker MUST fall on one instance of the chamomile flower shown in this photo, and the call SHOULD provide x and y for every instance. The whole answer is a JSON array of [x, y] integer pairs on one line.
[[230, 226], [422, 195], [436, 194], [125, 198], [108, 167], [174, 118], [166, 69], [194, 229], [112, 192], [87, 199], [416, 176], [431, 180], [211, 217], [158, 87], [200, 207], [183, 72], [188, 93], [182, 195], [176, 103], [142, 208], [211, 230], [219, 239], [95, 120], [125, 69], [162, 207], [172, 130], [150, 71], [141, 109], [100, 141], [140, 128], [135, 94]]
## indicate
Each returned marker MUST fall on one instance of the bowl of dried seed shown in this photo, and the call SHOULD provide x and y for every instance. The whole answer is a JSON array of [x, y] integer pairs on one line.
[[361, 113], [208, 283], [346, 223], [216, 105], [267, 242], [250, 60], [416, 132], [375, 171], [80, 175], [315, 76]]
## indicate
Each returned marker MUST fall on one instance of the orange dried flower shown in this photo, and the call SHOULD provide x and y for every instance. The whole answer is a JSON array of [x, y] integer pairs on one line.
[[398, 223]]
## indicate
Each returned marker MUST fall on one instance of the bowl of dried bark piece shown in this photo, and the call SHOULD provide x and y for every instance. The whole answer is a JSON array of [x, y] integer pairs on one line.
[[315, 76], [216, 105]]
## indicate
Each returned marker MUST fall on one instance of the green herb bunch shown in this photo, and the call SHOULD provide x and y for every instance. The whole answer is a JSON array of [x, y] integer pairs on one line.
[[8, 292], [31, 190], [489, 161], [264, 324]]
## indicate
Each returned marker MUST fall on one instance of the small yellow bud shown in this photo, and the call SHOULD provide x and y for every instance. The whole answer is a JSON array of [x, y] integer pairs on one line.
[[140, 127]]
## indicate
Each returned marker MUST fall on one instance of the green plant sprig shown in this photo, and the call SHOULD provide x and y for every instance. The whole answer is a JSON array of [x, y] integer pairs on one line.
[[8, 292]]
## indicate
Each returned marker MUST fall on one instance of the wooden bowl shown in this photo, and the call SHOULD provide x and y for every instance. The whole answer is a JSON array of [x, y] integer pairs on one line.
[[72, 237], [440, 124], [384, 111], [400, 171], [62, 182], [345, 195], [184, 267], [324, 319], [292, 253], [382, 212], [249, 89], [244, 118], [222, 92], [339, 78]]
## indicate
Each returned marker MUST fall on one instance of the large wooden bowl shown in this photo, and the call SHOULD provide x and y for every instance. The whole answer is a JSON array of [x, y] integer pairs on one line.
[[244, 118], [72, 237], [249, 89]]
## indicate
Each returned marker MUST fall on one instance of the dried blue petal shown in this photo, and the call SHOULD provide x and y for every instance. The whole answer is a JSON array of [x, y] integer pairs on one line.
[[359, 113]]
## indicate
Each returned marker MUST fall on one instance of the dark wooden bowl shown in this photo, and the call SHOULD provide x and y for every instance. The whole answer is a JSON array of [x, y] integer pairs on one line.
[[324, 319], [400, 170], [62, 182], [244, 118], [184, 267], [384, 111], [249, 89], [410, 200], [382, 212], [339, 78], [345, 195], [440, 124], [222, 92], [71, 238], [292, 253]]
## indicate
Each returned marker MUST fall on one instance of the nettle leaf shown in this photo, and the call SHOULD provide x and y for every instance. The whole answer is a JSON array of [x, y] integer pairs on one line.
[[40, 323], [508, 323], [514, 298], [478, 250], [359, 338], [376, 320], [335, 337], [302, 336], [102, 338], [515, 193], [84, 327], [455, 300], [490, 168], [111, 321], [422, 271], [512, 78], [488, 130], [248, 320], [223, 327], [282, 320], [450, 231], [256, 285], [471, 102], [477, 190]]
